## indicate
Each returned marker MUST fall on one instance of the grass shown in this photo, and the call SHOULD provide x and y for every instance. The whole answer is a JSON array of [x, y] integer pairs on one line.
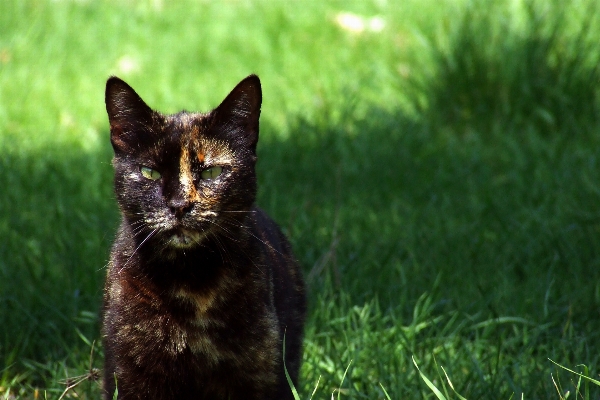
[[438, 179]]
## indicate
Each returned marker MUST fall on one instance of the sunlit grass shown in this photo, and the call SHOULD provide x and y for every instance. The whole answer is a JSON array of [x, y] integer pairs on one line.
[[434, 164]]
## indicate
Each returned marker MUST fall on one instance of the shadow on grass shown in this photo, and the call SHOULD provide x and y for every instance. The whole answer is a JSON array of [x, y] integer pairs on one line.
[[384, 209], [56, 224], [392, 202], [378, 206], [532, 63]]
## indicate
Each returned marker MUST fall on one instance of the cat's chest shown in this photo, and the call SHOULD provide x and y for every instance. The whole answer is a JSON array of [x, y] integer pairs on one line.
[[200, 309], [199, 320]]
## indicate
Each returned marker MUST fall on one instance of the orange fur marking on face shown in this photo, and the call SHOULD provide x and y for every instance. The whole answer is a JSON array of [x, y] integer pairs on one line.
[[201, 157], [185, 176]]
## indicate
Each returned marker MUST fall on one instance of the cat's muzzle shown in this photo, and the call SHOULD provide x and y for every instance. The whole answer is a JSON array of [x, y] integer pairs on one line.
[[184, 239]]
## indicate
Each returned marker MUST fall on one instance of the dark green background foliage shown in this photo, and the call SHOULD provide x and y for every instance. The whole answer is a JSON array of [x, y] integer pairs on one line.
[[437, 173]]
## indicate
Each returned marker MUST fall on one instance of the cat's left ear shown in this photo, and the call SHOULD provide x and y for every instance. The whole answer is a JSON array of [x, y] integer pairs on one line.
[[237, 116]]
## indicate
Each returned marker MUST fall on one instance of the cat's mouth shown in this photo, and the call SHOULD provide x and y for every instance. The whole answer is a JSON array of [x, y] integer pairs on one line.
[[184, 239]]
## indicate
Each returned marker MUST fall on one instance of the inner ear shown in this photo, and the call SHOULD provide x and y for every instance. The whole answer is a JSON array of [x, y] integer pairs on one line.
[[238, 115]]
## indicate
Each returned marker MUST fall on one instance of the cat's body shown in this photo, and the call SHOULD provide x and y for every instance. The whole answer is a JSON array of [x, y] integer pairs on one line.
[[202, 286]]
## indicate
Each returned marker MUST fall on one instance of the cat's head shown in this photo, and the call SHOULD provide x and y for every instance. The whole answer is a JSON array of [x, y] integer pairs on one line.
[[183, 177]]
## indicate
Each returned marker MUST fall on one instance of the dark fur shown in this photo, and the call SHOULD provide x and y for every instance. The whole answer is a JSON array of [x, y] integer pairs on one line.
[[202, 285]]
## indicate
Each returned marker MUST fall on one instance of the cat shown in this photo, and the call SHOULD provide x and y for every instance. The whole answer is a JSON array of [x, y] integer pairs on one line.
[[202, 289]]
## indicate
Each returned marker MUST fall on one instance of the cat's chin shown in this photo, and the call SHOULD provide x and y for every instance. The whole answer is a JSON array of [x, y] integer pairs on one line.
[[184, 239]]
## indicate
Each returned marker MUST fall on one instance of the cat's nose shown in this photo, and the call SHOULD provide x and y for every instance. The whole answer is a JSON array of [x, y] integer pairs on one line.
[[179, 207]]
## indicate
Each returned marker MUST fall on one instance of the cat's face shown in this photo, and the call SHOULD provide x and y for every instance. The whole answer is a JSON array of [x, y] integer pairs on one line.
[[181, 178]]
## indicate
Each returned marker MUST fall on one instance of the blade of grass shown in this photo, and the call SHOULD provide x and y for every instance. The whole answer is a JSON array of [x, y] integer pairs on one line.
[[387, 396], [451, 385], [339, 390], [287, 375], [434, 389], [587, 378]]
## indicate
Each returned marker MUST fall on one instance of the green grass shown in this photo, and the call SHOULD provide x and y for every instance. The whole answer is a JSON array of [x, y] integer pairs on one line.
[[439, 180]]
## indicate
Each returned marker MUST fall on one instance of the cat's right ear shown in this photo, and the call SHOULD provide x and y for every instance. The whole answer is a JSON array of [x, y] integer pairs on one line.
[[127, 113]]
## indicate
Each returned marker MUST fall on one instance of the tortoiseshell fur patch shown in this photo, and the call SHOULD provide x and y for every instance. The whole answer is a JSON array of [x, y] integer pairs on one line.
[[201, 284]]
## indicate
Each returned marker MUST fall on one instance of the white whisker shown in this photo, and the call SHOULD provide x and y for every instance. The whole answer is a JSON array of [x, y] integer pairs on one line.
[[249, 231], [137, 248], [229, 235]]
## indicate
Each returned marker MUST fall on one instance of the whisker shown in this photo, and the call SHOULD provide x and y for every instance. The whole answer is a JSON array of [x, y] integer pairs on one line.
[[249, 231], [234, 239], [227, 232], [137, 248]]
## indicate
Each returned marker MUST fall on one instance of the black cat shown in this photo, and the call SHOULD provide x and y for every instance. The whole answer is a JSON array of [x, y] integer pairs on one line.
[[202, 285]]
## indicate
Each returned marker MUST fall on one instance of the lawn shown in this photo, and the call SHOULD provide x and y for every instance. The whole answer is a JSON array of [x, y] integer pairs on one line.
[[434, 163]]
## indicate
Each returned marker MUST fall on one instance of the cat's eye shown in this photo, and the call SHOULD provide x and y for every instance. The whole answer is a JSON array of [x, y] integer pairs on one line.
[[211, 173], [150, 173]]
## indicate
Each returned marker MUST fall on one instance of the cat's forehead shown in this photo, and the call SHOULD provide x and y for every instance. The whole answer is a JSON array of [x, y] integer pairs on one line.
[[186, 129], [186, 123], [190, 132]]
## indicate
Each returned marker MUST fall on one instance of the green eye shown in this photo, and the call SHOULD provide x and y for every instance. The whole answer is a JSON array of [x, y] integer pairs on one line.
[[150, 173], [211, 173]]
